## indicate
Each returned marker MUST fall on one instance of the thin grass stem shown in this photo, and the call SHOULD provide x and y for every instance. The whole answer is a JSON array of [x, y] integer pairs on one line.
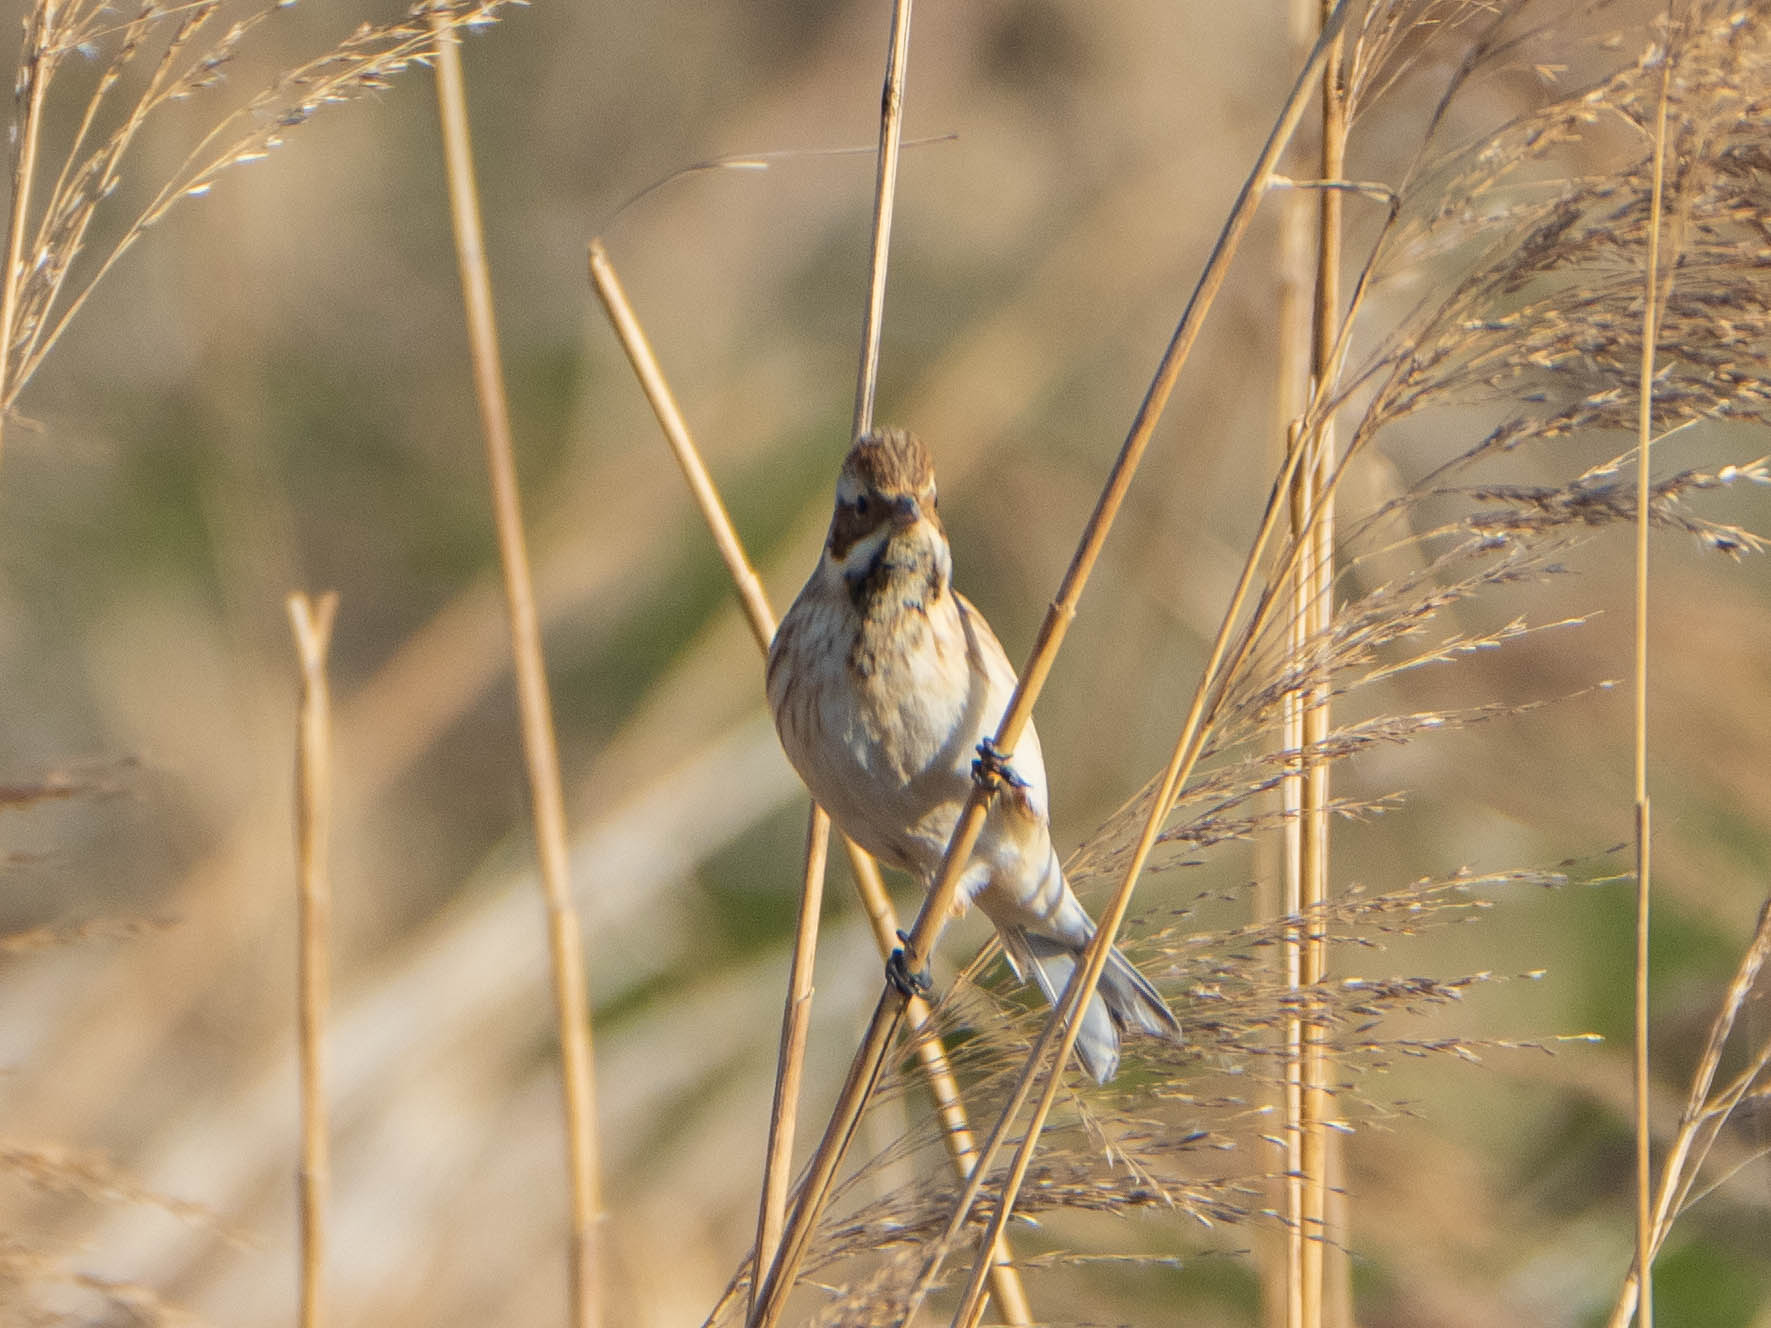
[[885, 193], [1651, 295], [1705, 1110], [312, 625], [1277, 887], [790, 1062], [1277, 870], [613, 295], [1292, 789], [1313, 527], [1062, 1026], [565, 937]]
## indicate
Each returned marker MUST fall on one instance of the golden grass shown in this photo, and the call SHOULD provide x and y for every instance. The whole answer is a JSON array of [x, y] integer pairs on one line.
[[783, 1115], [162, 56], [1705, 1114], [1305, 1285], [1498, 213], [1651, 301], [942, 891], [311, 623], [586, 1276]]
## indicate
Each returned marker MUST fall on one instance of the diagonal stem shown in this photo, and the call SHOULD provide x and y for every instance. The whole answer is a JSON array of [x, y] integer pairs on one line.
[[1704, 1113], [37, 63], [949, 1105], [938, 907]]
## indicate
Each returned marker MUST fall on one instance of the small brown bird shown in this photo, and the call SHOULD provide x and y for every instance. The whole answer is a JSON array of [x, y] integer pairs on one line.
[[884, 681]]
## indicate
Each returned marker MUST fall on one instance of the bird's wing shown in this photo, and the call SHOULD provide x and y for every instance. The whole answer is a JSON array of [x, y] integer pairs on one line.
[[1027, 761]]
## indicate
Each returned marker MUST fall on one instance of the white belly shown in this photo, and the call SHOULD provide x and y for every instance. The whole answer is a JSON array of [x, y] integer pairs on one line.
[[887, 749]]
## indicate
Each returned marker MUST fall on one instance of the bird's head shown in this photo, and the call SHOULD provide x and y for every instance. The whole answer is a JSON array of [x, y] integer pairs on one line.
[[886, 531]]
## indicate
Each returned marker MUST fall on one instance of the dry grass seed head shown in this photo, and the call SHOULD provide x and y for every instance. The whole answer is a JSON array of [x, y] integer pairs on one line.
[[192, 61], [1544, 314]]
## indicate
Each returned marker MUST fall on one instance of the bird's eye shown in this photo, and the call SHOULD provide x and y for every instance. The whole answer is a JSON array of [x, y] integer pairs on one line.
[[860, 504]]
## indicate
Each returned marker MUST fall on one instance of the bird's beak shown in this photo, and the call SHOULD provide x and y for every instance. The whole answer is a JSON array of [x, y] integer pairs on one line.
[[906, 512]]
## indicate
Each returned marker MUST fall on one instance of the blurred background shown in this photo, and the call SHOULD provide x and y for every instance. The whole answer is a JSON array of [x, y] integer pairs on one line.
[[270, 393]]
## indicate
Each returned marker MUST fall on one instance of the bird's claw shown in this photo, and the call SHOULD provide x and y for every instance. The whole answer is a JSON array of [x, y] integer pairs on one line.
[[906, 983], [992, 767]]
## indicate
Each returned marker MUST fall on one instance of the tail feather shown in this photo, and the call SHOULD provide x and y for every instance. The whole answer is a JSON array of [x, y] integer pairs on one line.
[[1134, 1003], [1123, 999]]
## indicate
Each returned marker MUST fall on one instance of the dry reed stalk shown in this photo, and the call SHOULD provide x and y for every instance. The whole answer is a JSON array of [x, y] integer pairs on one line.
[[565, 938], [312, 626], [1281, 1255], [1514, 259], [790, 1063], [949, 1104], [1312, 511], [885, 193], [1705, 1112], [796, 1014], [1292, 893], [1062, 1027], [1651, 298], [638, 347]]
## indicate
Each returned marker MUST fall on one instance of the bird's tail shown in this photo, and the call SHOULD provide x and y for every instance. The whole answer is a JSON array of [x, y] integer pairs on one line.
[[1123, 1000]]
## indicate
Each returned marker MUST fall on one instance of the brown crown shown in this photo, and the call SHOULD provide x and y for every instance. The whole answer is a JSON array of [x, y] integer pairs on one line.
[[891, 461]]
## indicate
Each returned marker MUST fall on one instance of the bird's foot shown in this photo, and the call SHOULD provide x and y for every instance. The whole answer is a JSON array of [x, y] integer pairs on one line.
[[906, 983], [992, 767]]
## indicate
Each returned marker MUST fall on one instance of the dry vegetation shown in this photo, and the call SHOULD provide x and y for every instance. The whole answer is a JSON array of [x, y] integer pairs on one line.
[[264, 392]]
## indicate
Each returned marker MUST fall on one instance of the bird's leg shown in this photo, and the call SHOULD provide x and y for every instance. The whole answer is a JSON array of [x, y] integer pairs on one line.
[[992, 767], [906, 983]]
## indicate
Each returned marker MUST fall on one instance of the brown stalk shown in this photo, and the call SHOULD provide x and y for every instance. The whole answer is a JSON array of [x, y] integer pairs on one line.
[[790, 1062], [796, 1016], [949, 1105], [1220, 669], [572, 1006], [1277, 882], [1061, 1027], [885, 192], [1651, 295], [1312, 511], [312, 625], [1292, 791], [1704, 1113]]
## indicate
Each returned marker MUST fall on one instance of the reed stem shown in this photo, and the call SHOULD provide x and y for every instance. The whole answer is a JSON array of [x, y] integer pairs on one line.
[[1651, 295], [1006, 1282], [312, 625], [535, 710]]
